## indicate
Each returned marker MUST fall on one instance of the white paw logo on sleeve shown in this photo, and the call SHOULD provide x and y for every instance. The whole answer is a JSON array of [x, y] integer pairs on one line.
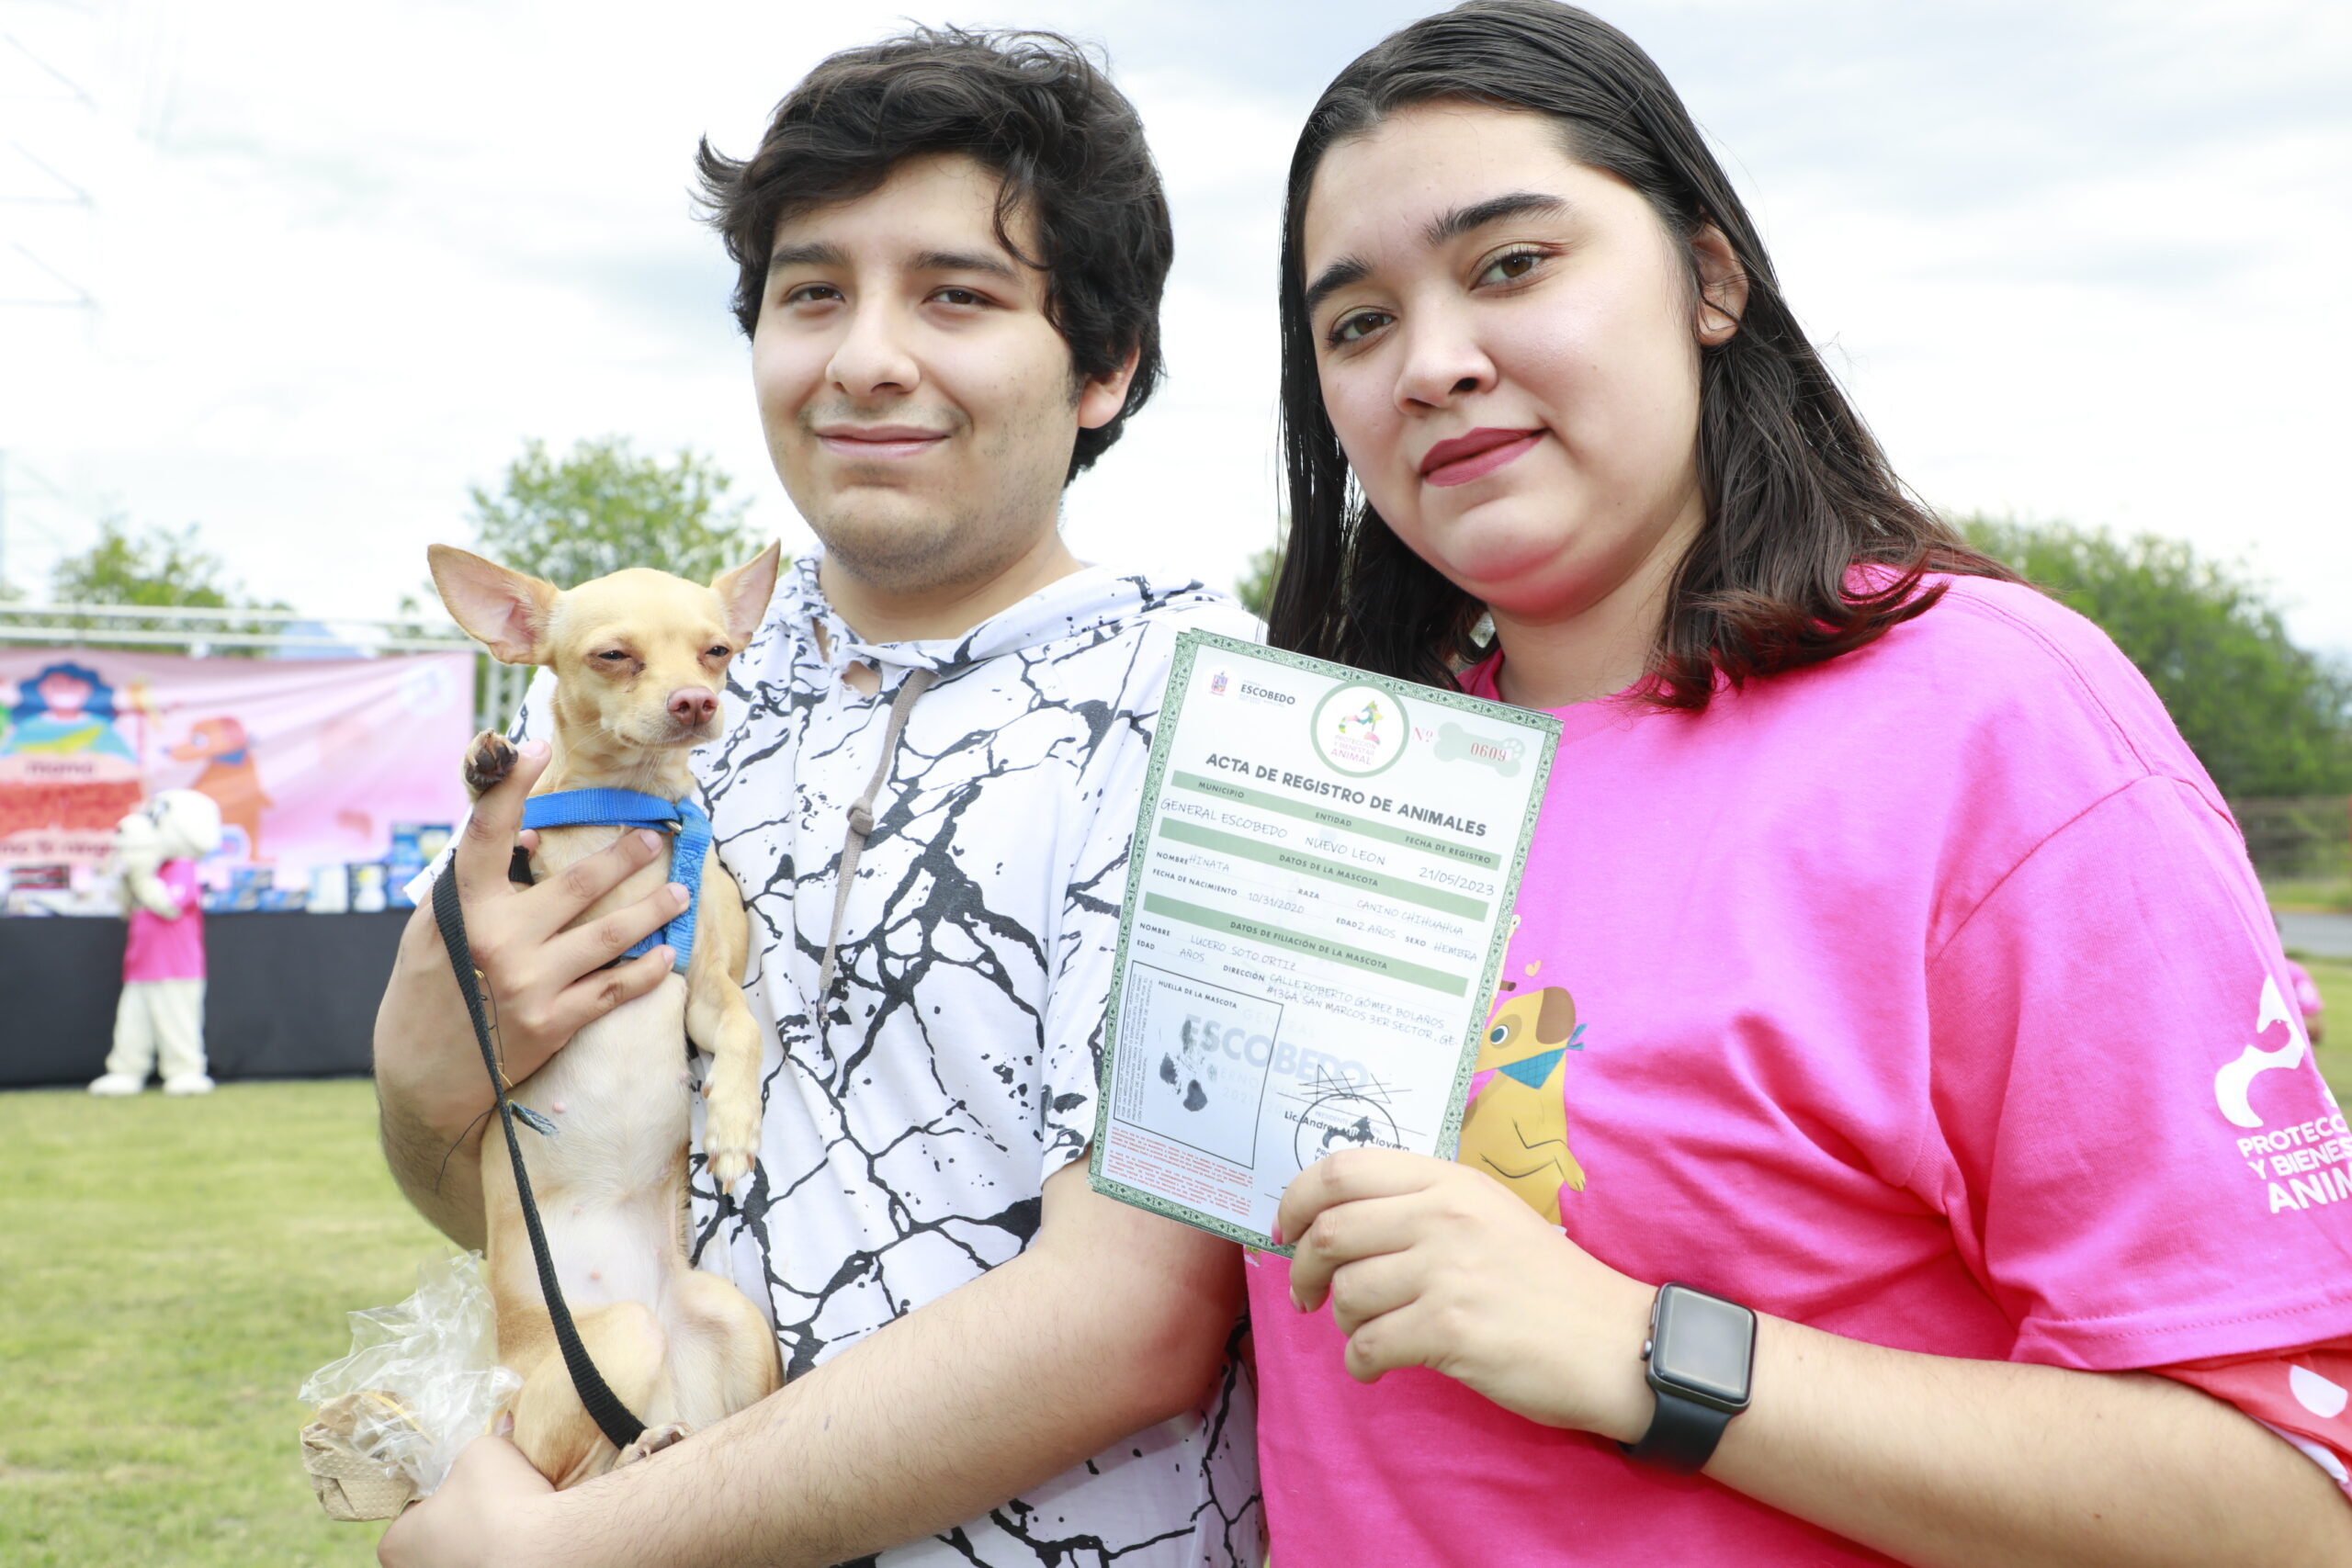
[[2231, 1084], [2301, 1164]]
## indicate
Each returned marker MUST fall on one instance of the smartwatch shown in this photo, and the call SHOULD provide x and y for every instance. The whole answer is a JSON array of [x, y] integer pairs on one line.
[[1701, 1352]]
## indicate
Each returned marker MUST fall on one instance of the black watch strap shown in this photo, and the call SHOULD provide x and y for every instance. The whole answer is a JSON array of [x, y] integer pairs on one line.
[[1682, 1434]]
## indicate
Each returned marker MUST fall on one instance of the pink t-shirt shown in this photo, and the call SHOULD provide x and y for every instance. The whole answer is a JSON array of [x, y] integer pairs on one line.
[[158, 949], [1927, 998]]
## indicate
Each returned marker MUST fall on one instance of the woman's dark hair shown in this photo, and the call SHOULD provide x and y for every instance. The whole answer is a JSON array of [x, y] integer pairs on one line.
[[1029, 106], [1797, 492]]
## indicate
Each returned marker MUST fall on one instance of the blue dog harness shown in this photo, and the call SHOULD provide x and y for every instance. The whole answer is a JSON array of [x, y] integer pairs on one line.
[[627, 809]]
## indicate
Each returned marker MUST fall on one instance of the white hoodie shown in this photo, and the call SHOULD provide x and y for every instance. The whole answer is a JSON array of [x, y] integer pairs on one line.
[[909, 1133]]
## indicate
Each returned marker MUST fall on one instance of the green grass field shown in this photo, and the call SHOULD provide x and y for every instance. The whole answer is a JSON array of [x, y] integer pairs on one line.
[[170, 1273], [2317, 894], [2334, 1049]]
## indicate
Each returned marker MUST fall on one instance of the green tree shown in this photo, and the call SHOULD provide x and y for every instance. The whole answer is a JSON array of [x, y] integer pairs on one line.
[[2265, 716], [160, 567], [603, 507], [1256, 588]]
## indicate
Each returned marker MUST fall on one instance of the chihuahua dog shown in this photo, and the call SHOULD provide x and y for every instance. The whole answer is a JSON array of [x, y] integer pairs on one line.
[[639, 659]]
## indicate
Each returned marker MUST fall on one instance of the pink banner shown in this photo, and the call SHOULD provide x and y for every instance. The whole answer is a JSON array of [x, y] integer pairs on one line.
[[313, 761]]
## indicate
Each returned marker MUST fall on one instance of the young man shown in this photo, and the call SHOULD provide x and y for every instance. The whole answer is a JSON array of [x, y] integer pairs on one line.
[[952, 249]]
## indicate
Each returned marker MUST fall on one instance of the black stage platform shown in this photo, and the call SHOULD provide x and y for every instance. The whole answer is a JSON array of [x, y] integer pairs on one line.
[[291, 995]]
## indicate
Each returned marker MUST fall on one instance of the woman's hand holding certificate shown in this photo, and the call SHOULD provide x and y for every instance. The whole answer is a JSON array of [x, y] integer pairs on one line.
[[1427, 1263]]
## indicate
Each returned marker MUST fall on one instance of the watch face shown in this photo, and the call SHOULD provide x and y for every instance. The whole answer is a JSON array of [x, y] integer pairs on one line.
[[1703, 1345]]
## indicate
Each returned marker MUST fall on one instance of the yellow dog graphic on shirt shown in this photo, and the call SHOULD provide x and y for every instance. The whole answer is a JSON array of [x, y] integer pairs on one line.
[[1515, 1129]]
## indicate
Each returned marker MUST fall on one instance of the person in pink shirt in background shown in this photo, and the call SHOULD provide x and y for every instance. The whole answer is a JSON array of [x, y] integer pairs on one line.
[[2304, 992], [159, 1021], [1907, 1149]]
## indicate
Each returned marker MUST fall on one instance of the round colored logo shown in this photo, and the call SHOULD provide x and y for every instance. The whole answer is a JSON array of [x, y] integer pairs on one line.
[[1359, 730]]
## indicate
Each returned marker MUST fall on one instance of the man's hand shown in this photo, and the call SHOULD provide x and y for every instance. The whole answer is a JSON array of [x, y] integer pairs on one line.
[[543, 983], [548, 981], [1432, 1264], [486, 1513]]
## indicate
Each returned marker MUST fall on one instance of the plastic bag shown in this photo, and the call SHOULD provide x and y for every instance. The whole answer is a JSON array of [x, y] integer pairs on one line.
[[421, 1381]]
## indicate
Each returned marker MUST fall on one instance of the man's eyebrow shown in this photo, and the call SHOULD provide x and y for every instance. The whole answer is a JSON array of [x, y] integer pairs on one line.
[[818, 252], [964, 261], [815, 253], [1479, 214], [1447, 226]]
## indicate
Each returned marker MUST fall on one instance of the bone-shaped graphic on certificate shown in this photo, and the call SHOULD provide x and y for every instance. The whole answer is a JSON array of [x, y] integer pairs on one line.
[[1457, 744]]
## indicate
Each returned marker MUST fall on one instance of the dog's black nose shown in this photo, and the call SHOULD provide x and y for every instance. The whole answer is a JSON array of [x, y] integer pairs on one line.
[[693, 705]]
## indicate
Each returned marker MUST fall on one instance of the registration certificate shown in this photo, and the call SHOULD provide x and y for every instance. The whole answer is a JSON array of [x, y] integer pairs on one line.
[[1318, 902]]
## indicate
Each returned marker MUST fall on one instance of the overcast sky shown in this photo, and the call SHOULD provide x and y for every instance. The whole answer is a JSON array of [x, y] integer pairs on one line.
[[2073, 259]]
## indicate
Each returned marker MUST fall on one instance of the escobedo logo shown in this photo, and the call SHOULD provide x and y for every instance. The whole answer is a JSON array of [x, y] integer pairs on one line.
[[1217, 687], [1359, 730]]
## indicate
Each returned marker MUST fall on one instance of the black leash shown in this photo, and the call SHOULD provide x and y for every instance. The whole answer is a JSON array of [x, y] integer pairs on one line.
[[611, 1416]]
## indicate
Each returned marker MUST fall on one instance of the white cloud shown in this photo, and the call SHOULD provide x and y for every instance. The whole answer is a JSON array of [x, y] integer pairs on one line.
[[2075, 259]]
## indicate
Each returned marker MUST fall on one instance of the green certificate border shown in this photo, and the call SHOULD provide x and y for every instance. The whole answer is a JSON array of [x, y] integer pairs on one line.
[[1545, 731]]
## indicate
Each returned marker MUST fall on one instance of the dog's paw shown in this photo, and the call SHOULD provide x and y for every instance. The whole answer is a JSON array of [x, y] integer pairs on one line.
[[652, 1441], [729, 1167], [487, 759], [730, 1138]]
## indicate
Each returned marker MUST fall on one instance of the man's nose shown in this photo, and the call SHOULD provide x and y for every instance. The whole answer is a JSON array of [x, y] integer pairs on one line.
[[693, 705], [872, 357]]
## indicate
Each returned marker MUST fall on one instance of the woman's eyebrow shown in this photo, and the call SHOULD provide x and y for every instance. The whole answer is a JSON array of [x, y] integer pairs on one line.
[[1333, 278], [1479, 214], [1447, 226]]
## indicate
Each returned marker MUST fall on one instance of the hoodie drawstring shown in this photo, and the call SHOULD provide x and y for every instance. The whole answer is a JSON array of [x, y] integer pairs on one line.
[[861, 819]]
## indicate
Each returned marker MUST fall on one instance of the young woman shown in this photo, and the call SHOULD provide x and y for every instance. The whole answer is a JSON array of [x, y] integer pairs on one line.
[[1930, 1031]]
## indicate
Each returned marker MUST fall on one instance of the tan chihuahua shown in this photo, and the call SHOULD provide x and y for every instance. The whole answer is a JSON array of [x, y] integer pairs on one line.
[[638, 658]]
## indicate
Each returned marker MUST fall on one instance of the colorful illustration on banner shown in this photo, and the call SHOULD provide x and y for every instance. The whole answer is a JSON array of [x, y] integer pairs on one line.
[[1516, 1128], [317, 767], [65, 710], [67, 776], [229, 776]]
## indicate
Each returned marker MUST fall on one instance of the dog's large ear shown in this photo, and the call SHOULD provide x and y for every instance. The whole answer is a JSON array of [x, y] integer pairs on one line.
[[746, 590], [1558, 1018], [505, 611]]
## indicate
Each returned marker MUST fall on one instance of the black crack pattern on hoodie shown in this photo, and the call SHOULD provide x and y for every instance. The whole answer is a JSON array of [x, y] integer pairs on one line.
[[912, 1113]]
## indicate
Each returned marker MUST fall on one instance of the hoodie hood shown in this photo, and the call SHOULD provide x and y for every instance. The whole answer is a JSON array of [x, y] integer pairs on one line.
[[1092, 603]]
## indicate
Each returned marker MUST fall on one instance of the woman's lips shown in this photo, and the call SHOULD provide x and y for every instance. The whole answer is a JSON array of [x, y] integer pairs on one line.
[[1475, 455]]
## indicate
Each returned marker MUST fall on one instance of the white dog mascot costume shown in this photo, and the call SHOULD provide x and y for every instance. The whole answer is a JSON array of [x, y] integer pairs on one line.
[[162, 1011]]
